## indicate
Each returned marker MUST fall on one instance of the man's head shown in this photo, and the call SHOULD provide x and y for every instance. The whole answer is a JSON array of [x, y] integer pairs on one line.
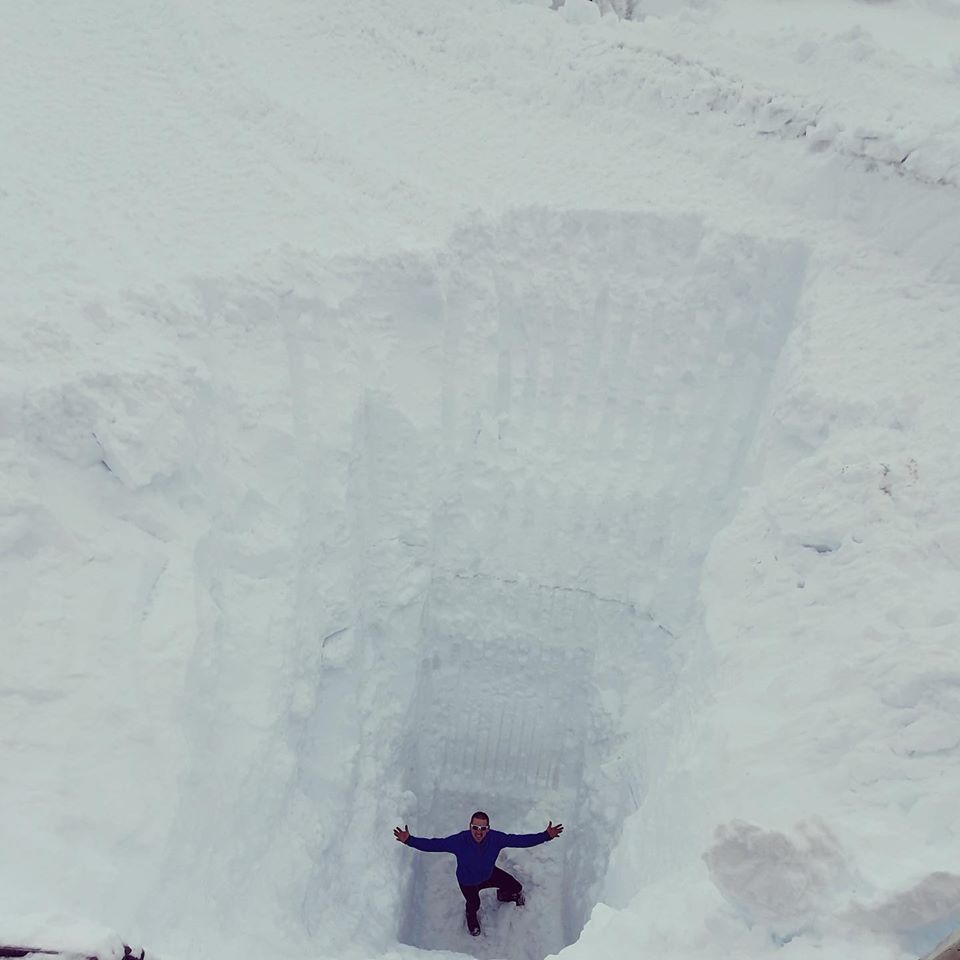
[[479, 826]]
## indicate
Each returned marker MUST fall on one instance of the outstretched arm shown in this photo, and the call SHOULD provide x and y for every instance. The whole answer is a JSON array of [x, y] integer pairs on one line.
[[426, 844], [532, 839]]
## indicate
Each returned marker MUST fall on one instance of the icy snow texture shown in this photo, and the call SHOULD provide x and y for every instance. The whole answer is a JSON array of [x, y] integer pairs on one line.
[[415, 408]]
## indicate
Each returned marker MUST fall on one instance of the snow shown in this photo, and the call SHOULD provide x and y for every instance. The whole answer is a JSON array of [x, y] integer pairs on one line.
[[59, 933], [411, 409]]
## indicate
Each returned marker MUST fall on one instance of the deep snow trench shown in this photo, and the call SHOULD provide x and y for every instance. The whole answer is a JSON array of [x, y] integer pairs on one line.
[[558, 426], [442, 517]]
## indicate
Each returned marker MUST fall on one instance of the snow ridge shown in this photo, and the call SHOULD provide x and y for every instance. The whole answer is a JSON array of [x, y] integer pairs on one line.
[[918, 141]]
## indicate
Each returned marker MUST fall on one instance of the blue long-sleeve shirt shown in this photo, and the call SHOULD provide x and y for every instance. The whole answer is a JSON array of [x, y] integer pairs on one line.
[[475, 861]]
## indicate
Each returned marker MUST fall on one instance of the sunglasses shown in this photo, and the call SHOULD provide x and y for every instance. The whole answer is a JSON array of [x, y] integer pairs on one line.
[[478, 829]]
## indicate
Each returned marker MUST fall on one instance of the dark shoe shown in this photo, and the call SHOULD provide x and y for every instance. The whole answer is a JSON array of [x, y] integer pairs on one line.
[[516, 898], [473, 925]]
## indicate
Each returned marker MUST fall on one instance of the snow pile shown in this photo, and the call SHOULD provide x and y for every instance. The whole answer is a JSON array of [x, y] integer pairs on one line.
[[55, 935], [480, 406]]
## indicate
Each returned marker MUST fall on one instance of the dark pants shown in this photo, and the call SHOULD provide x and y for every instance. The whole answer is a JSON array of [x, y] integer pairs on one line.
[[507, 888]]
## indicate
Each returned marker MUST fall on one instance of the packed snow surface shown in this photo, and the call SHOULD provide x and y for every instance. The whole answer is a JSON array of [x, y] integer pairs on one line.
[[409, 409]]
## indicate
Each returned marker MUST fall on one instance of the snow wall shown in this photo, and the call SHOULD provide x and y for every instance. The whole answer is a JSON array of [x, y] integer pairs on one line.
[[407, 538]]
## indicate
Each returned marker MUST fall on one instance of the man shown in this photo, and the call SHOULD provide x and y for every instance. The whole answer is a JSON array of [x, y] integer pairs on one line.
[[476, 851]]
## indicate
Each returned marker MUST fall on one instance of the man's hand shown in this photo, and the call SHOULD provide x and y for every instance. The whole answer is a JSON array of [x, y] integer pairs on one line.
[[552, 831], [403, 834]]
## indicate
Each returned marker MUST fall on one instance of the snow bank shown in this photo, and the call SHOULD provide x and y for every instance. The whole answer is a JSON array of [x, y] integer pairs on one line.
[[51, 933]]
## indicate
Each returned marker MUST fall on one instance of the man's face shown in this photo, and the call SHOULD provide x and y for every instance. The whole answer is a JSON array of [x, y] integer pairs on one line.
[[478, 829]]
